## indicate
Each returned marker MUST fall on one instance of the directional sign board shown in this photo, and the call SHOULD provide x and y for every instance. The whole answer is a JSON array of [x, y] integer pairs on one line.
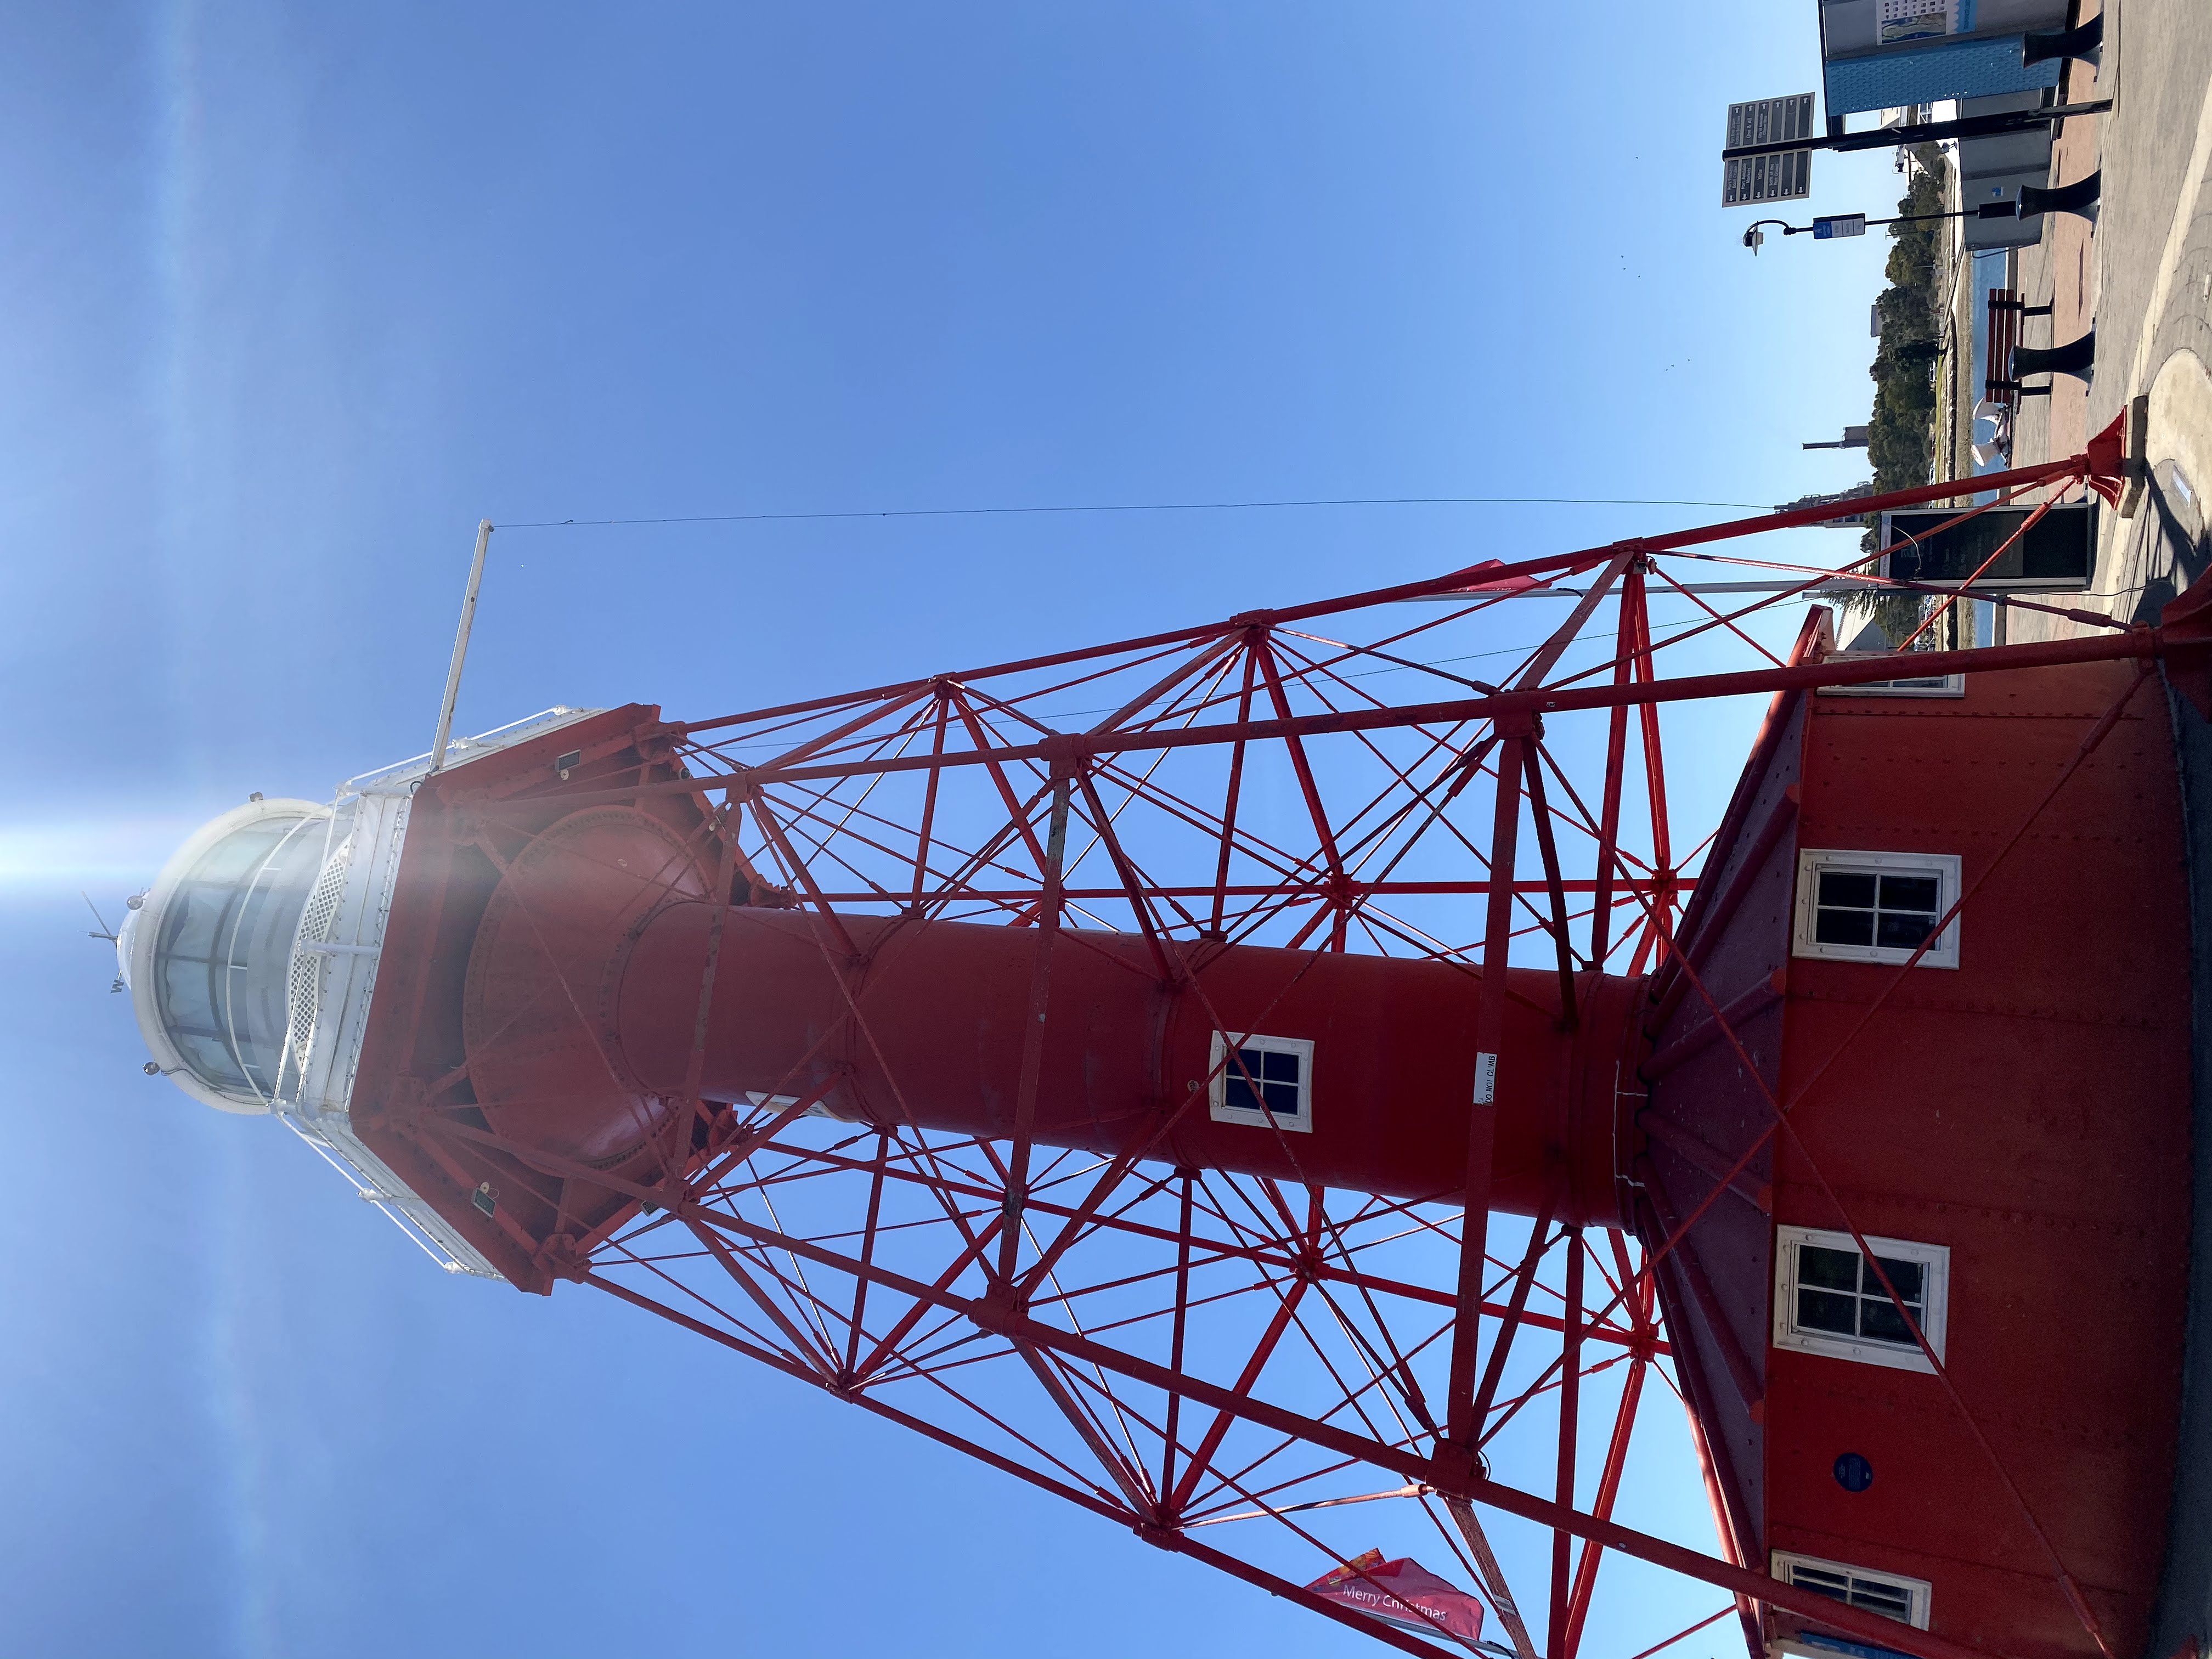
[[1786, 177], [1839, 224]]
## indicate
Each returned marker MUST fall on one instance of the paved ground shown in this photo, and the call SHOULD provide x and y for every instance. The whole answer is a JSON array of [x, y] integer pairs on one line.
[[2144, 277]]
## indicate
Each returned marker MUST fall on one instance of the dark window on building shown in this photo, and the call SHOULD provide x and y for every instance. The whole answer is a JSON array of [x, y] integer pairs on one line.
[[1839, 1293], [1864, 907], [1277, 1077], [1264, 1082], [1869, 906]]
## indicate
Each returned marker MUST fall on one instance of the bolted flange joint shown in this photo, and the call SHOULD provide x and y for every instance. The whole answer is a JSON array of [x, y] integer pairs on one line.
[[1065, 752], [1456, 1470], [999, 1311], [558, 1257]]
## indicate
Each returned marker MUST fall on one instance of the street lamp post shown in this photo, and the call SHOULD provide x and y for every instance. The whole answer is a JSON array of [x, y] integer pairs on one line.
[[1831, 227], [2080, 197]]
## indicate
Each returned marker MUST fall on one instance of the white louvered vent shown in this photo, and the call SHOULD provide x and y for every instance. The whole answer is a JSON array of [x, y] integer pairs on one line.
[[304, 990]]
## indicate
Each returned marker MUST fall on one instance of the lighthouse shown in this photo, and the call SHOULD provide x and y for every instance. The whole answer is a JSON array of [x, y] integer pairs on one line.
[[1168, 1068]]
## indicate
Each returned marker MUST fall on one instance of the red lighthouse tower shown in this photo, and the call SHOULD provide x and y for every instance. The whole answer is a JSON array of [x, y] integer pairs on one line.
[[1110, 1064]]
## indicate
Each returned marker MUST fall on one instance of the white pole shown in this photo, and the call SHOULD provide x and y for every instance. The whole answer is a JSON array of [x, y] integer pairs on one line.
[[460, 647]]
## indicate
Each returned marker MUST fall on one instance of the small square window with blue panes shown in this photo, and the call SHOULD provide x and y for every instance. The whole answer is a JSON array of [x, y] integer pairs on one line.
[[1275, 1075], [1265, 1082]]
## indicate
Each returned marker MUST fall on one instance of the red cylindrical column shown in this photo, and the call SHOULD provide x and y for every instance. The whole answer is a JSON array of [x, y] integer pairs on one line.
[[943, 1010]]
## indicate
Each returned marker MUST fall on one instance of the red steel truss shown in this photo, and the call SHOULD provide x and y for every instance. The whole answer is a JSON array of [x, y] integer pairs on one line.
[[1250, 1371]]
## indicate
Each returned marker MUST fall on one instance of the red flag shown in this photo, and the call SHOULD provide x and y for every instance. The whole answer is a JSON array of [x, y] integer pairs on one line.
[[1499, 584], [1402, 1592], [1503, 584]]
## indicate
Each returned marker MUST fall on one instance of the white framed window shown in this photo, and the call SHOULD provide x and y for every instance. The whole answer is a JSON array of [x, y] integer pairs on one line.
[[1876, 907], [1892, 1595], [1924, 685], [1828, 1301], [1270, 1080]]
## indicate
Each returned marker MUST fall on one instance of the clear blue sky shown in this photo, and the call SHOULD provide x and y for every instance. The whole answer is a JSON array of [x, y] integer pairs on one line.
[[293, 297]]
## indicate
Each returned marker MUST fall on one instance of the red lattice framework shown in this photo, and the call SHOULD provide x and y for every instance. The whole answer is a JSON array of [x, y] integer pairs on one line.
[[1255, 1373]]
